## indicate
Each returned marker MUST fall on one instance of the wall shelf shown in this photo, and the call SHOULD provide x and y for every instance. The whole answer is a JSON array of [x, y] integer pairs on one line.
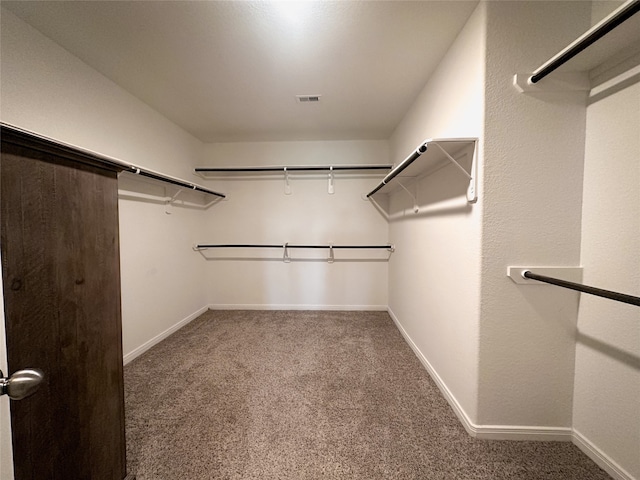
[[613, 44], [271, 169], [140, 188], [222, 172], [288, 246], [429, 156], [160, 177]]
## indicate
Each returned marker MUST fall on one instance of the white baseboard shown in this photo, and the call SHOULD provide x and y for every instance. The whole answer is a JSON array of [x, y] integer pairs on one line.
[[523, 432], [231, 306], [603, 460], [493, 432], [136, 352], [457, 408]]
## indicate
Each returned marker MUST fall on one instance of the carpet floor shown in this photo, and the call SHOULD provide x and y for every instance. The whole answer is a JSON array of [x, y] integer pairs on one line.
[[309, 395]]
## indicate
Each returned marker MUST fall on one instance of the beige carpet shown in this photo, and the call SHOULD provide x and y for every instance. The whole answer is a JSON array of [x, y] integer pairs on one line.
[[309, 395]]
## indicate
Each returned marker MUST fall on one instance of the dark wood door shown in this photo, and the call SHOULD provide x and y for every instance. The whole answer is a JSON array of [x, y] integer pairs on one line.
[[61, 279]]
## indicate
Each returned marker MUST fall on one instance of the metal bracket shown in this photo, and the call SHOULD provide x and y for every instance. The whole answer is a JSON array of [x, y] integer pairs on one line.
[[330, 188], [168, 206], [472, 190], [330, 259], [416, 209], [287, 185], [285, 257], [472, 193]]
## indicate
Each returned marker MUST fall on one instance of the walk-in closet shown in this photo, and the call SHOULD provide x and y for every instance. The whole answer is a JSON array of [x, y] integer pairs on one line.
[[320, 239]]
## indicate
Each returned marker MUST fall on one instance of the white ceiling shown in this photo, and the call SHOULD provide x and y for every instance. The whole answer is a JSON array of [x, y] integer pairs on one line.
[[230, 70]]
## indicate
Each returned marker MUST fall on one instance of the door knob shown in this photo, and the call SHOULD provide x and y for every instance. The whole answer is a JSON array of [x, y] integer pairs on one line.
[[21, 384]]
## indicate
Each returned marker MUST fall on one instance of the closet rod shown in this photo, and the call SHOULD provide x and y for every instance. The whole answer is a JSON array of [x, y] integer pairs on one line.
[[404, 164], [289, 245], [618, 297], [293, 168], [173, 181], [596, 33]]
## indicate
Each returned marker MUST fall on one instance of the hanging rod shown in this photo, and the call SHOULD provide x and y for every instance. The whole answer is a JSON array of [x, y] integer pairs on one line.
[[288, 245], [404, 164], [594, 34], [173, 181], [618, 297], [18, 136], [291, 168]]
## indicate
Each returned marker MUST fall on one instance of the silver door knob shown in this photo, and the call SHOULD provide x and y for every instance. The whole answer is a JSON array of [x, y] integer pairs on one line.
[[21, 384]]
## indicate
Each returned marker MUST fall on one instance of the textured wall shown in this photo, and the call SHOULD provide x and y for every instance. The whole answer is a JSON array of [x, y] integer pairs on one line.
[[434, 277], [49, 91], [607, 379], [534, 148], [258, 211]]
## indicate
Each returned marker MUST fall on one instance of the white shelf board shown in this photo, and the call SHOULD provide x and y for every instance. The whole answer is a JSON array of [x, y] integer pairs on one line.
[[617, 47], [434, 159], [624, 40], [278, 170]]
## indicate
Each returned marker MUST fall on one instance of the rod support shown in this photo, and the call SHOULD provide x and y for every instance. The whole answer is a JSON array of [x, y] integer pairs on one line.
[[330, 188], [524, 275], [287, 185]]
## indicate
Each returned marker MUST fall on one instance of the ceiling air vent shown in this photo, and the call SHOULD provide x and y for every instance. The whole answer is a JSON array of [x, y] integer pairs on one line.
[[308, 98]]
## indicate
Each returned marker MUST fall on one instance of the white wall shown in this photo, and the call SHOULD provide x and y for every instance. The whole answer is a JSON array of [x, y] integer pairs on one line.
[[162, 277], [606, 405], [434, 276], [533, 169], [258, 211], [47, 90]]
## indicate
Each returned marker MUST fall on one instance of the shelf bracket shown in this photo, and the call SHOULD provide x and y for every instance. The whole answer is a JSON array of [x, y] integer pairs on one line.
[[472, 194], [168, 206], [287, 185], [453, 160], [330, 188], [472, 189], [285, 256], [173, 199], [416, 209]]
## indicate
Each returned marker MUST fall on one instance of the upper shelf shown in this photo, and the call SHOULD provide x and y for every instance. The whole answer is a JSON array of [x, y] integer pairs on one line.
[[611, 42], [212, 172], [429, 156], [161, 177], [220, 171]]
